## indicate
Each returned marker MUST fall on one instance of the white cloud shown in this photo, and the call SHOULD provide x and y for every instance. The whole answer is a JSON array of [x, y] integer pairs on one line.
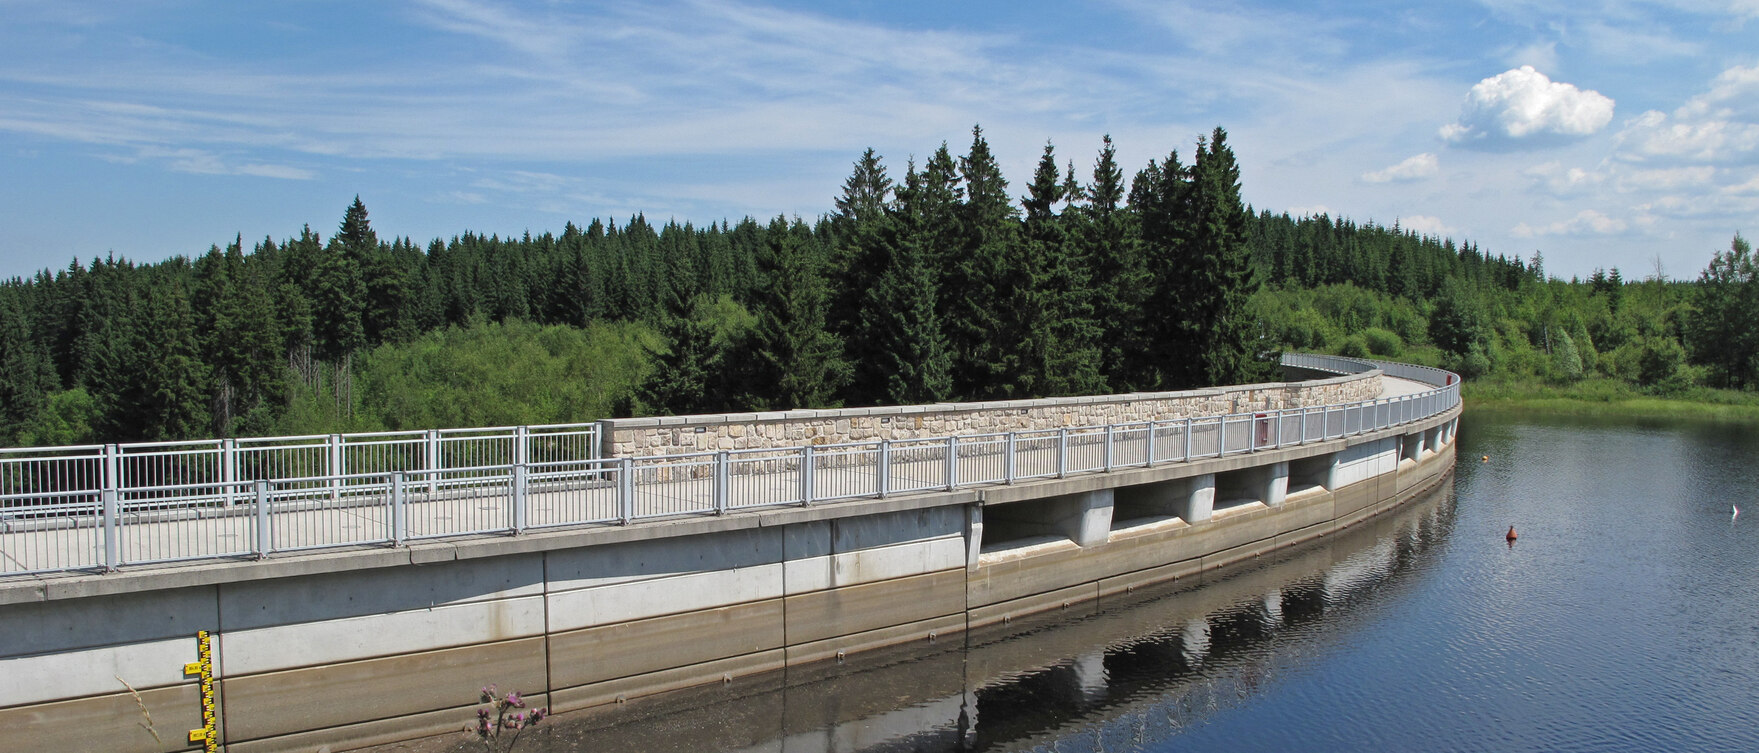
[[284, 172], [1564, 181], [1720, 125], [1413, 168], [1524, 107], [1586, 222], [1423, 224], [1666, 179], [200, 162], [1749, 187]]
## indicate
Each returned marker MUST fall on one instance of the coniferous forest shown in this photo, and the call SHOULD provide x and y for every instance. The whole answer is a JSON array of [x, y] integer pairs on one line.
[[940, 282]]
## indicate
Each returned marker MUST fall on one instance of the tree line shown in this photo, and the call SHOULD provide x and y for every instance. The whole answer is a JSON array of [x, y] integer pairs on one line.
[[939, 284]]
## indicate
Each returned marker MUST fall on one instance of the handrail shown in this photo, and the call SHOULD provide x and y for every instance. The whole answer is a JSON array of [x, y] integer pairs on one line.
[[205, 504]]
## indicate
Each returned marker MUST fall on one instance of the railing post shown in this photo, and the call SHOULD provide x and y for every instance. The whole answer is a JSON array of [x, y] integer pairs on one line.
[[625, 490], [336, 469], [952, 463], [1062, 452], [229, 470], [885, 468], [1108, 448], [1303, 425], [265, 534], [399, 509], [1187, 439], [521, 457], [1148, 449], [1221, 437], [112, 507], [806, 456], [723, 479], [1011, 470], [434, 461]]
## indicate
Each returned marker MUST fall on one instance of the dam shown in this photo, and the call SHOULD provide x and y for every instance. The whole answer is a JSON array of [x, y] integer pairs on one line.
[[351, 608]]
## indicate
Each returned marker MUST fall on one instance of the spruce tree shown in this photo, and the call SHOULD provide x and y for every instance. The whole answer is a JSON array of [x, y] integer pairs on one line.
[[1167, 355], [690, 373], [1111, 248], [864, 233], [1232, 348], [1029, 308], [906, 359], [26, 376], [797, 357], [175, 380], [976, 275]]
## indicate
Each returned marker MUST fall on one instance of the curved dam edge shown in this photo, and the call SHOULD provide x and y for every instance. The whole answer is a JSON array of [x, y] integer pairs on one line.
[[355, 648]]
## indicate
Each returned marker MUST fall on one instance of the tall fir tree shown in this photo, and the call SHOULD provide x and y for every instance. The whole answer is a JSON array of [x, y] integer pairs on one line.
[[1112, 250], [975, 277], [1234, 350], [26, 374], [1030, 312], [1167, 354], [864, 235], [796, 356], [175, 380], [690, 372], [906, 358]]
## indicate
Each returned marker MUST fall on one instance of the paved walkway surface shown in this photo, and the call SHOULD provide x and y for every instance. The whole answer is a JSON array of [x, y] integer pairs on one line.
[[1391, 386]]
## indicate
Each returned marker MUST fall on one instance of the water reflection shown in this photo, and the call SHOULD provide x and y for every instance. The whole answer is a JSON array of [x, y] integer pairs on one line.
[[1124, 675]]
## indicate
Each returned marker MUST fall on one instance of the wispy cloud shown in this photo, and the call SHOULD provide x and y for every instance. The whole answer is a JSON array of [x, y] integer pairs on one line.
[[1586, 222], [1411, 169], [1424, 224], [1720, 125]]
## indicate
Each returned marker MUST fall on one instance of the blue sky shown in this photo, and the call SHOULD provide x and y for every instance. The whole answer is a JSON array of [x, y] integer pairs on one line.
[[1600, 133]]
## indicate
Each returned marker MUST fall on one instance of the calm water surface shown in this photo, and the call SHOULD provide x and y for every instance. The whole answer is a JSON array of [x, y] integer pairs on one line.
[[1625, 618]]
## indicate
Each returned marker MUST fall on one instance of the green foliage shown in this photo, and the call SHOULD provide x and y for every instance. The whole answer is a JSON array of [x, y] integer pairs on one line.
[[489, 374], [26, 374], [66, 419], [1720, 328], [1458, 321], [797, 359], [976, 273], [692, 373], [1659, 364], [1472, 364], [1383, 343]]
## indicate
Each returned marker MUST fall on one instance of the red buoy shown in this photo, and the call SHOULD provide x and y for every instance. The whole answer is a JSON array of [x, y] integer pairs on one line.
[[1512, 535]]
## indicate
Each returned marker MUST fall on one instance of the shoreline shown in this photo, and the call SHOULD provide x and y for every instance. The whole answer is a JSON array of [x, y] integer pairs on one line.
[[1611, 400]]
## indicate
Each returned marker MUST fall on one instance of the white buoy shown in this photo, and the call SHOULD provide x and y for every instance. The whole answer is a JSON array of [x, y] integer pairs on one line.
[[1736, 513]]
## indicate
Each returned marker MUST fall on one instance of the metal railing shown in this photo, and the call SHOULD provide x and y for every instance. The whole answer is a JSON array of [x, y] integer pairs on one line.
[[104, 507]]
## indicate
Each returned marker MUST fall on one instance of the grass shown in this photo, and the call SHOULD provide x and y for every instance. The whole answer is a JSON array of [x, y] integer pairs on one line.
[[1609, 397]]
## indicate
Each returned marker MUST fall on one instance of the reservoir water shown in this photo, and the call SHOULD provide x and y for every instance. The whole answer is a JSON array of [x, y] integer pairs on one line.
[[1626, 617]]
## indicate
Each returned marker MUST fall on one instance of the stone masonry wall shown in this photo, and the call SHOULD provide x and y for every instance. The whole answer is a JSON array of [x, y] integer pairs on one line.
[[669, 435]]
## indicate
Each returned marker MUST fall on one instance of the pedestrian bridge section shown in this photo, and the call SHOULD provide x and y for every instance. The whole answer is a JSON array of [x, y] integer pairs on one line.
[[701, 569]]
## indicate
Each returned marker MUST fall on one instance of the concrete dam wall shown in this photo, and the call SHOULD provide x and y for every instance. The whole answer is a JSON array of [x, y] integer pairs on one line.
[[357, 647]]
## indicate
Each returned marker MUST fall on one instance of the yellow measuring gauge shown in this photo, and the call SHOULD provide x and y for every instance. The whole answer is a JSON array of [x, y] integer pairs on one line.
[[204, 667]]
